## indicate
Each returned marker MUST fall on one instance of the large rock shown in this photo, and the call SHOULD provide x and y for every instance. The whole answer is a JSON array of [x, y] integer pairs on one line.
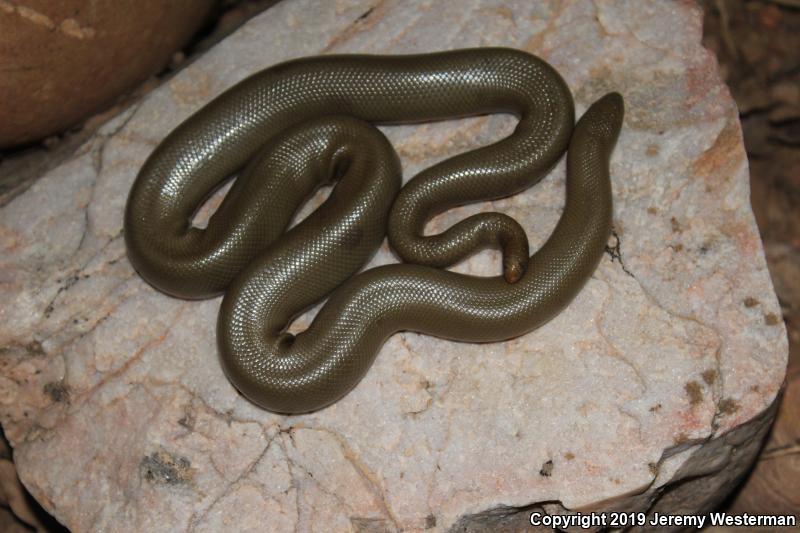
[[651, 391], [62, 61]]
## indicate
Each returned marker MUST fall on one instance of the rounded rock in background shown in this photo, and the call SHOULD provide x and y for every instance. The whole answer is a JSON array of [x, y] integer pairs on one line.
[[62, 61]]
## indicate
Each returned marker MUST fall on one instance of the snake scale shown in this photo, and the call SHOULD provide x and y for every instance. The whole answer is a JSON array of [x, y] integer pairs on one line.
[[296, 126]]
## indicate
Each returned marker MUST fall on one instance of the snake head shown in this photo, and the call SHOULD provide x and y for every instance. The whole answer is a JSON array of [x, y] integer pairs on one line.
[[603, 120]]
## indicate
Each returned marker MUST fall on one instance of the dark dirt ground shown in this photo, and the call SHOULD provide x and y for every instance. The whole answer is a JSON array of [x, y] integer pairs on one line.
[[758, 46]]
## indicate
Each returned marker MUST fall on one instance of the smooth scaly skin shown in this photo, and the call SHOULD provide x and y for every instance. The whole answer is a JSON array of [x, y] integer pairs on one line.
[[291, 374]]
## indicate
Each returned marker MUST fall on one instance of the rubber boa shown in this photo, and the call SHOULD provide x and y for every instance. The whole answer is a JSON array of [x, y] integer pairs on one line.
[[296, 126]]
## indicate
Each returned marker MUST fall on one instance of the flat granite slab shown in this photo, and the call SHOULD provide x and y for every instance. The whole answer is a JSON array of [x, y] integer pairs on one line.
[[663, 369]]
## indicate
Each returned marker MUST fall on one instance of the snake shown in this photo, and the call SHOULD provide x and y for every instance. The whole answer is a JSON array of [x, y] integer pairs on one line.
[[304, 124]]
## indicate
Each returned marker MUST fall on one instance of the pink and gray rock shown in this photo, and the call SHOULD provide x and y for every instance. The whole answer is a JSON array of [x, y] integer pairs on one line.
[[663, 370]]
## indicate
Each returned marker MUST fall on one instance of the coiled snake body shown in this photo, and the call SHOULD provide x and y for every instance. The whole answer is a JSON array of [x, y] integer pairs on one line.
[[301, 124]]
